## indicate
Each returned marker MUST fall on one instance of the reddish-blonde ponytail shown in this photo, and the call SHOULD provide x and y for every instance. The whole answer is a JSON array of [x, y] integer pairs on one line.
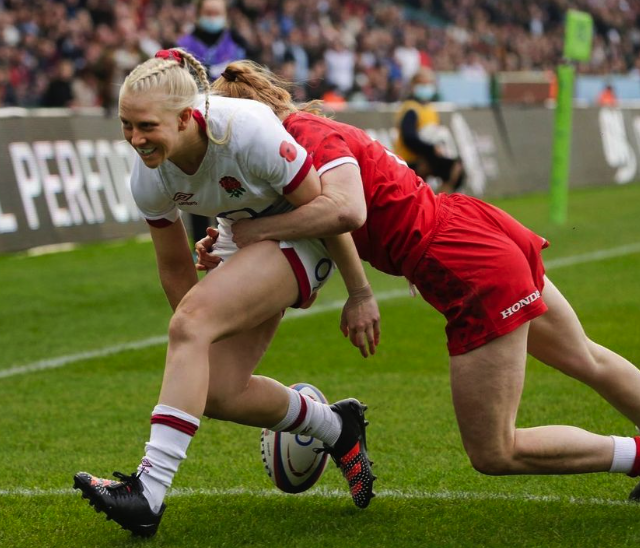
[[248, 80]]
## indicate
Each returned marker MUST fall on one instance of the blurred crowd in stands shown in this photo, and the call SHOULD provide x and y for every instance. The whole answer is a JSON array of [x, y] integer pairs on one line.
[[77, 52]]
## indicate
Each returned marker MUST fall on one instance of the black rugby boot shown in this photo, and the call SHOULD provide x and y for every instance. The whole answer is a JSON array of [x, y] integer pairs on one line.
[[122, 501], [350, 451]]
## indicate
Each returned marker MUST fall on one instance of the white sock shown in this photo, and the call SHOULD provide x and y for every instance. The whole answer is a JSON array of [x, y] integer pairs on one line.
[[171, 433], [624, 454], [311, 418]]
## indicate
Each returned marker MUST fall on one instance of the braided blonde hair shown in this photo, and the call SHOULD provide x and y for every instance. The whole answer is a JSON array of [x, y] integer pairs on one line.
[[180, 84]]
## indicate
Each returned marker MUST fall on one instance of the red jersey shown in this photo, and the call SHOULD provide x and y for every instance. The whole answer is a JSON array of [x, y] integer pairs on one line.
[[401, 208], [473, 262]]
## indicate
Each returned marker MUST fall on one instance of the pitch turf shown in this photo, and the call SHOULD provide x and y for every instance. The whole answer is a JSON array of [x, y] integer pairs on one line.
[[92, 414]]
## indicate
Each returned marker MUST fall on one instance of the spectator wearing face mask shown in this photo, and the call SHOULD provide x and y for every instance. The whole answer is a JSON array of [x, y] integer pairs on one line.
[[212, 41], [417, 142]]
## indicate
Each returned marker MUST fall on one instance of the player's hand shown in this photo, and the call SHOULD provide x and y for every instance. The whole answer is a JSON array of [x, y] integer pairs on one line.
[[207, 260], [246, 232], [360, 321]]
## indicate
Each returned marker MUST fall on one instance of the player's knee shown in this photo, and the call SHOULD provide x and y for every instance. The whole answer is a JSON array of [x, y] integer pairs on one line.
[[490, 462], [179, 327], [187, 325]]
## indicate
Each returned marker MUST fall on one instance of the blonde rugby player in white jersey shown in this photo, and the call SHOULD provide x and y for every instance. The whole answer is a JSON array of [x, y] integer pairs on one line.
[[230, 159]]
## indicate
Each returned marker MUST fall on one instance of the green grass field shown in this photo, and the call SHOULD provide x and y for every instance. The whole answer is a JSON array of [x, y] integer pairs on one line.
[[93, 413]]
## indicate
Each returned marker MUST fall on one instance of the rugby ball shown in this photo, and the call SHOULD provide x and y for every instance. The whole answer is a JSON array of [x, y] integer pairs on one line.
[[290, 459]]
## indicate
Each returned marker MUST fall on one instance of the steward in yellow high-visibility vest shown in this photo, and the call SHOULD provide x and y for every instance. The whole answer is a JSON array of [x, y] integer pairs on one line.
[[416, 115]]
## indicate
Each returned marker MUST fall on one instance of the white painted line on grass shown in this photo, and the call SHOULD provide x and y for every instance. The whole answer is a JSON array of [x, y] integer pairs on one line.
[[337, 494], [593, 256], [62, 361], [404, 495], [54, 363], [50, 249]]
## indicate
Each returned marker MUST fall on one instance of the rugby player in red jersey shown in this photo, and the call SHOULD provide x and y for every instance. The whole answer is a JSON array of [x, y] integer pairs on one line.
[[476, 265]]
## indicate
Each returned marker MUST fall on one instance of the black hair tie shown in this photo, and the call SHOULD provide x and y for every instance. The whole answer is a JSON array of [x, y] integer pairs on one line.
[[229, 76]]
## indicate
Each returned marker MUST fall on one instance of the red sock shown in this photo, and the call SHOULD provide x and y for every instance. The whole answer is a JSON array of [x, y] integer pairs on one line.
[[635, 469]]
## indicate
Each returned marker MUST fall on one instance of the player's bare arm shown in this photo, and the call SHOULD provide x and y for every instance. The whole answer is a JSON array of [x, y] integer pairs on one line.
[[360, 317], [339, 207], [175, 263]]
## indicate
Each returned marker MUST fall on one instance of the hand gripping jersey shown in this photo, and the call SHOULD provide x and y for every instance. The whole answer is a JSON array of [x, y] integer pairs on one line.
[[247, 176], [401, 208]]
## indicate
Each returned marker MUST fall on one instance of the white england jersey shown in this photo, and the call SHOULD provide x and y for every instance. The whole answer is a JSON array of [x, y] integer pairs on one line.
[[246, 176]]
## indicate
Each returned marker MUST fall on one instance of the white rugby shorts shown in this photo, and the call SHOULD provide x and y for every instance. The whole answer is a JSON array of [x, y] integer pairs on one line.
[[309, 260]]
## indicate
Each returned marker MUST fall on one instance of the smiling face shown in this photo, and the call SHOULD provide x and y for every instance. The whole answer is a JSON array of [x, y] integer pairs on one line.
[[154, 132]]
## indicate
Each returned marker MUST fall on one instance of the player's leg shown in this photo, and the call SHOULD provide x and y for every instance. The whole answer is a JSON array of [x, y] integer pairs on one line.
[[229, 300], [238, 297], [557, 339], [486, 386], [237, 395], [487, 379]]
